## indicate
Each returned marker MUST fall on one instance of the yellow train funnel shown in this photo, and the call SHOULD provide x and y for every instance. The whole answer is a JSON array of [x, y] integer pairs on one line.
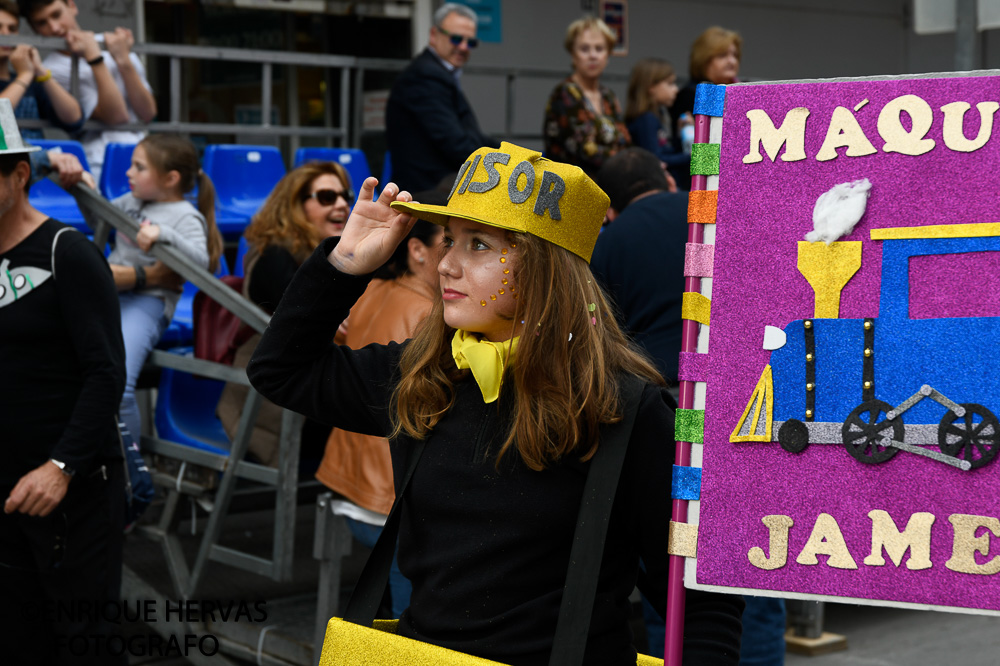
[[828, 268]]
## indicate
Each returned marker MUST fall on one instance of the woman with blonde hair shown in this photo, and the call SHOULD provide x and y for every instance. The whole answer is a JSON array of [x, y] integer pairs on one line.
[[497, 412], [715, 58], [583, 120], [309, 204]]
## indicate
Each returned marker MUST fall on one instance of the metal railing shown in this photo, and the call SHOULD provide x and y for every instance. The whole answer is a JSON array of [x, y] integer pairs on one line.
[[348, 129], [101, 215]]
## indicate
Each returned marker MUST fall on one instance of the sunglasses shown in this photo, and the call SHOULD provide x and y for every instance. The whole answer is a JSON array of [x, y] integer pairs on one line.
[[329, 197], [458, 39]]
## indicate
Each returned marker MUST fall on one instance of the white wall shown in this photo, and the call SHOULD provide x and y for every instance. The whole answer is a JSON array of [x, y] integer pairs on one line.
[[104, 15]]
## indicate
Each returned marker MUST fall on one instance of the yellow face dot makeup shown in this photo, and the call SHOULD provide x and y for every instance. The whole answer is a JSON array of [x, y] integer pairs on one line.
[[483, 303], [503, 251], [504, 281], [506, 271], [503, 260], [493, 297], [501, 292]]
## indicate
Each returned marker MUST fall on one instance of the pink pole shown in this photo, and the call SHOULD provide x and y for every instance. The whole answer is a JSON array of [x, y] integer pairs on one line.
[[673, 647]]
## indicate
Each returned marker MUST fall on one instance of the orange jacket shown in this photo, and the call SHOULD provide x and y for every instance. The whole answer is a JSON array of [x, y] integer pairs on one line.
[[358, 466]]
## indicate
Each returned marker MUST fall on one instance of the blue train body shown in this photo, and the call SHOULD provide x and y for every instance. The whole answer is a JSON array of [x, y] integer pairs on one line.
[[957, 357]]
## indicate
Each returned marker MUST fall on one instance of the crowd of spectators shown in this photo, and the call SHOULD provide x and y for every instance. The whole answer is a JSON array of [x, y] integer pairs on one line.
[[636, 156]]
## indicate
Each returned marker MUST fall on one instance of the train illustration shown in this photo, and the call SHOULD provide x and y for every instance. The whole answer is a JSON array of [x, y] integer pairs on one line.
[[921, 377]]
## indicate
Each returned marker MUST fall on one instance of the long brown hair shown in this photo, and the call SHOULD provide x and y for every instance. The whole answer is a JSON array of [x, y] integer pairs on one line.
[[645, 74], [171, 152], [565, 377], [282, 219]]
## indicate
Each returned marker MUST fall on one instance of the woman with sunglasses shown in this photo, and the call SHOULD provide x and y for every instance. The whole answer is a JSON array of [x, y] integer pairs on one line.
[[583, 119], [309, 204]]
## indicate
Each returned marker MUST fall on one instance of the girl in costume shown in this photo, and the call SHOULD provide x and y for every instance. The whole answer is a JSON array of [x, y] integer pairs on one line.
[[503, 391], [164, 168]]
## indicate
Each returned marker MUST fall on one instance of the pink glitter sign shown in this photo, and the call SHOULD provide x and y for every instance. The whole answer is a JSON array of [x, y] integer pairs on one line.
[[849, 452]]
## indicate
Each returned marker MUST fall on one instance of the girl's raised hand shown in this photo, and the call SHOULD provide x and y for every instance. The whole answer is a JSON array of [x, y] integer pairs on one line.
[[372, 231], [148, 234]]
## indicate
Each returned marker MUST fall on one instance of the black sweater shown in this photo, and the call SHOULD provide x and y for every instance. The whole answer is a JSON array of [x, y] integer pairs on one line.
[[487, 550], [62, 362]]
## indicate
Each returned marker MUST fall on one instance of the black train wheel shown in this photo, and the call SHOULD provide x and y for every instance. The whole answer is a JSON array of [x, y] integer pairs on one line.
[[974, 437], [865, 429], [793, 435]]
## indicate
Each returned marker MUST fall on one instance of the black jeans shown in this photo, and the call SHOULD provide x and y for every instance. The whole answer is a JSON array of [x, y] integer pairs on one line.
[[60, 576]]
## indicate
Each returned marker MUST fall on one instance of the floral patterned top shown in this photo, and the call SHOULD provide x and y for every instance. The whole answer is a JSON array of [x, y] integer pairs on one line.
[[576, 134]]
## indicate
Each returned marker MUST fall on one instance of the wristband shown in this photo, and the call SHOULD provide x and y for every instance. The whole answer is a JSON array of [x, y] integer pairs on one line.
[[63, 467], [140, 278], [45, 77], [96, 61]]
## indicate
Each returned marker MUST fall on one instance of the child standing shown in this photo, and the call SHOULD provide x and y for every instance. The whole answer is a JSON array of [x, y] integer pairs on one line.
[[652, 88], [164, 167]]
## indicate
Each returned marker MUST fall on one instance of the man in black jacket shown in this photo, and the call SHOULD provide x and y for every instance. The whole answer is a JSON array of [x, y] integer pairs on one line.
[[430, 127], [639, 257]]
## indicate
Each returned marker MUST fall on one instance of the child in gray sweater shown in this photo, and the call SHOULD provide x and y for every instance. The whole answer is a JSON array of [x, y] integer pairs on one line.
[[164, 167]]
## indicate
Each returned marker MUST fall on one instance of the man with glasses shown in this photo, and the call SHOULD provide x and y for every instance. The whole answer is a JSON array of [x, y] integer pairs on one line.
[[430, 127]]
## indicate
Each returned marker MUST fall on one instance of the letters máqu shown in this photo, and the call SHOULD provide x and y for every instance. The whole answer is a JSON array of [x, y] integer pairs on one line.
[[827, 539], [844, 131]]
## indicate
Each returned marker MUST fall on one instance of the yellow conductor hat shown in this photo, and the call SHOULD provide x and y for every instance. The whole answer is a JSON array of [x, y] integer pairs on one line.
[[517, 189]]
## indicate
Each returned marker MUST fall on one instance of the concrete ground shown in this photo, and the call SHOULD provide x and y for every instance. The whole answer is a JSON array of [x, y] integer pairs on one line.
[[897, 637]]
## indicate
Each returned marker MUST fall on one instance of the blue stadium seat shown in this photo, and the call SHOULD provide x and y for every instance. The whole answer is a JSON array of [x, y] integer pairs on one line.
[[352, 159], [185, 409], [243, 177], [117, 160], [181, 328], [54, 201], [241, 251]]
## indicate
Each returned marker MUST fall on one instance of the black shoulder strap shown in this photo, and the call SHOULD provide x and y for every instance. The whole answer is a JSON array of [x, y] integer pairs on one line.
[[367, 595], [580, 589], [573, 625]]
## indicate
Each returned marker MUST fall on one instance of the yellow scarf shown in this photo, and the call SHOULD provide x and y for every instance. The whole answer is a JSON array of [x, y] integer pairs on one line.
[[486, 360]]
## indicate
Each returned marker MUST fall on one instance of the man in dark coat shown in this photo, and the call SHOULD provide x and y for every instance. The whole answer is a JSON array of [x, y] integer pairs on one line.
[[430, 127], [639, 257]]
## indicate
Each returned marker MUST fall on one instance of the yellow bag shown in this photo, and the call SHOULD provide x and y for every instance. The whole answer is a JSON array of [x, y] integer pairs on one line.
[[349, 644]]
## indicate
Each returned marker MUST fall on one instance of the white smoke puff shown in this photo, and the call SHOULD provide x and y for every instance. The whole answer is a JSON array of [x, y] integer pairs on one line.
[[837, 211]]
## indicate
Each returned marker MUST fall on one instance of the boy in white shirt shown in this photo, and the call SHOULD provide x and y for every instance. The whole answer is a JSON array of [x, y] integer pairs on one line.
[[113, 85]]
